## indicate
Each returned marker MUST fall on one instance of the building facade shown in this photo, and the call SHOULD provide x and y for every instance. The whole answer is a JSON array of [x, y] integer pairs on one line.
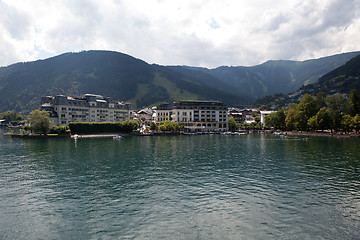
[[195, 116], [263, 115], [145, 115], [89, 108]]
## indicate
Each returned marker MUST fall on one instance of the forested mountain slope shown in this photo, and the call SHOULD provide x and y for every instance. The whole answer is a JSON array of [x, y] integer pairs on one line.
[[111, 74], [341, 80], [281, 76], [126, 78]]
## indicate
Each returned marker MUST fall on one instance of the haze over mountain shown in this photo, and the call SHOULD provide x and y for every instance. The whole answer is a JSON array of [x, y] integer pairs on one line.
[[125, 78], [341, 80], [282, 76]]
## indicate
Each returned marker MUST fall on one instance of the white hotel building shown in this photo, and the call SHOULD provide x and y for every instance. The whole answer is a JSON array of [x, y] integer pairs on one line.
[[89, 108], [195, 116]]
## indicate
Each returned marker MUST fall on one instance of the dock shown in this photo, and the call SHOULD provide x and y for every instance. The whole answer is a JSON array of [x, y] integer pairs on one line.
[[102, 135]]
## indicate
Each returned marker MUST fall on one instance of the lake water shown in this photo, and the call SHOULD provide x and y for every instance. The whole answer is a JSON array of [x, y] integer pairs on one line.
[[180, 187]]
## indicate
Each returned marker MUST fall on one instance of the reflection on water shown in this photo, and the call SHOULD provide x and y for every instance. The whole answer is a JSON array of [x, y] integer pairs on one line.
[[181, 187]]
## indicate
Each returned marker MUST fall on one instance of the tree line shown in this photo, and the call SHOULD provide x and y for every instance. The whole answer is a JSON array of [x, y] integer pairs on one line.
[[12, 117], [323, 112], [38, 122]]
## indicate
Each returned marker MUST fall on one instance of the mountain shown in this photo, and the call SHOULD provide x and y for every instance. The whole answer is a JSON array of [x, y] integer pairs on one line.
[[208, 79], [341, 80], [272, 77], [111, 74], [126, 78]]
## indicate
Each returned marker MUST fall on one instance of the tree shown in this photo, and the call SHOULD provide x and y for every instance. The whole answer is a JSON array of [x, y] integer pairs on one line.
[[39, 121], [232, 124], [356, 123], [335, 117], [276, 119], [130, 125], [62, 129], [12, 117], [166, 126], [139, 121], [176, 126], [320, 99], [169, 126], [244, 125], [336, 102], [346, 123], [153, 126], [290, 119], [312, 123], [323, 119], [255, 125], [304, 111], [353, 103]]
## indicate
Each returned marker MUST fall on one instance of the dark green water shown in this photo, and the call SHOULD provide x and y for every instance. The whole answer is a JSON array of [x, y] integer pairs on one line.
[[180, 187]]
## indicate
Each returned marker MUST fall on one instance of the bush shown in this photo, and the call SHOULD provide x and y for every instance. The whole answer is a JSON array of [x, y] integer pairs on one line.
[[153, 126], [127, 126], [61, 130], [169, 126]]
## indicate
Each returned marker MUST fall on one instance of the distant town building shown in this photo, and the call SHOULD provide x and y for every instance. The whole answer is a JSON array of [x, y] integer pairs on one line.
[[89, 108], [145, 115], [249, 119], [263, 114], [195, 116], [163, 112], [3, 123], [237, 114], [246, 115]]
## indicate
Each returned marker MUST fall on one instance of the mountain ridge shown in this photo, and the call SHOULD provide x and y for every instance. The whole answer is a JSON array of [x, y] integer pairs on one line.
[[277, 76], [126, 78], [108, 73], [341, 80]]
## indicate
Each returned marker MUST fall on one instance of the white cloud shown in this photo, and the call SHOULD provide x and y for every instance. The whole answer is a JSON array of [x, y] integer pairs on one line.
[[201, 33]]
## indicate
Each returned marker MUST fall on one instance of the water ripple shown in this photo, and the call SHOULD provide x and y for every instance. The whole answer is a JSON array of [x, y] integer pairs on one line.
[[216, 187]]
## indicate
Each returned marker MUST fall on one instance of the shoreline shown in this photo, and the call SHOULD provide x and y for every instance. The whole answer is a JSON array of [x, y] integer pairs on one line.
[[39, 136], [114, 135], [320, 134]]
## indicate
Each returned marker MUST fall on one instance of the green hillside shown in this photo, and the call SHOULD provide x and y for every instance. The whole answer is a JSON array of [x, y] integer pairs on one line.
[[341, 80], [126, 78], [274, 77], [112, 74]]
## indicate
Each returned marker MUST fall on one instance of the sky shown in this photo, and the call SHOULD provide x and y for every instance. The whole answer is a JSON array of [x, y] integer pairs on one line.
[[207, 33]]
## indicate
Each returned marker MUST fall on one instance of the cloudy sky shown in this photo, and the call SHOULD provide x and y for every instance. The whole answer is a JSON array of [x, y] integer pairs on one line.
[[207, 33]]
